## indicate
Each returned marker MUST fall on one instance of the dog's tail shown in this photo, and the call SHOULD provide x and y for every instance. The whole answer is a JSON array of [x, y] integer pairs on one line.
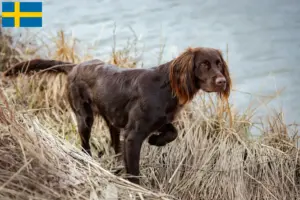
[[37, 65]]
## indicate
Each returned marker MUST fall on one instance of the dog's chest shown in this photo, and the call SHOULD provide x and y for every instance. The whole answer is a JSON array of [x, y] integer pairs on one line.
[[171, 110]]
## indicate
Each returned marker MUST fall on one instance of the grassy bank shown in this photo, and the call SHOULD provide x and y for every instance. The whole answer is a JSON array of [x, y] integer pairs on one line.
[[213, 158]]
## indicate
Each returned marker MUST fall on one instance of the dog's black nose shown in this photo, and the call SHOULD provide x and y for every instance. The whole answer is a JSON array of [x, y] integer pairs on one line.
[[220, 81]]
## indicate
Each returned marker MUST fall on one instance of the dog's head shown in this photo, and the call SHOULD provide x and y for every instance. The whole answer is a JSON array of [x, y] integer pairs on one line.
[[199, 68]]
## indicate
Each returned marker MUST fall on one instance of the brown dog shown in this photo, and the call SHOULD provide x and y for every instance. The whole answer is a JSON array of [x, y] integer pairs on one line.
[[136, 101]]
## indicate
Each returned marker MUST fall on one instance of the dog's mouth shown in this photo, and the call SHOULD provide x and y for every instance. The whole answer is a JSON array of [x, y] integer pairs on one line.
[[214, 89], [206, 87], [221, 88]]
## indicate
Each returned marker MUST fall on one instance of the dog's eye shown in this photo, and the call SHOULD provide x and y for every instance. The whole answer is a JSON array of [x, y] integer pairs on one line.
[[206, 65], [219, 64]]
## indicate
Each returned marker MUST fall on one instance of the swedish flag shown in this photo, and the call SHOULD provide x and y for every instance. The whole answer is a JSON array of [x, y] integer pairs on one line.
[[21, 14]]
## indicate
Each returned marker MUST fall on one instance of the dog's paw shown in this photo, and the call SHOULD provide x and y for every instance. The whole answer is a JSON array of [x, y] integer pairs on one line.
[[156, 140], [152, 140]]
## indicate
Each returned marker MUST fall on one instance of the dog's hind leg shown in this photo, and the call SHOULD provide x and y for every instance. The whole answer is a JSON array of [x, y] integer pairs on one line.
[[114, 135], [80, 102], [116, 144], [85, 120], [115, 138]]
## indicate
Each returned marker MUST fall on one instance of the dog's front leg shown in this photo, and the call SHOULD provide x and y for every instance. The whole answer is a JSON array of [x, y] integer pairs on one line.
[[132, 148], [167, 133]]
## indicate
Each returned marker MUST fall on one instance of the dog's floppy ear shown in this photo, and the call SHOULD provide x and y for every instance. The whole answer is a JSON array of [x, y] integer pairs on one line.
[[225, 94], [182, 79]]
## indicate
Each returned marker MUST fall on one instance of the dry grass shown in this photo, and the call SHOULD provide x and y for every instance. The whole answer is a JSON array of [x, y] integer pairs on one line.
[[36, 164], [213, 158]]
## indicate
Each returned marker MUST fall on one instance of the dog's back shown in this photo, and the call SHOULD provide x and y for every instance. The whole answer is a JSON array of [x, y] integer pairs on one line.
[[110, 90]]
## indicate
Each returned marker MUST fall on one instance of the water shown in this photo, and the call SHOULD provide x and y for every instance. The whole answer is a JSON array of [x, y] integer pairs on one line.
[[263, 38]]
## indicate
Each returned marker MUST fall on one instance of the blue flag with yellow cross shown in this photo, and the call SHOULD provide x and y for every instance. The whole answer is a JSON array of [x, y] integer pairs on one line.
[[22, 14]]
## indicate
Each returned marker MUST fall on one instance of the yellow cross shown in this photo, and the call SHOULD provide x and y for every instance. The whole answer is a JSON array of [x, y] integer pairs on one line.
[[17, 14]]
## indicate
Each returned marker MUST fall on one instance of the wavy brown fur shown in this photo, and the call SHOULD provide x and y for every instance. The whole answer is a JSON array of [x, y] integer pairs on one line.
[[182, 78], [226, 93]]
